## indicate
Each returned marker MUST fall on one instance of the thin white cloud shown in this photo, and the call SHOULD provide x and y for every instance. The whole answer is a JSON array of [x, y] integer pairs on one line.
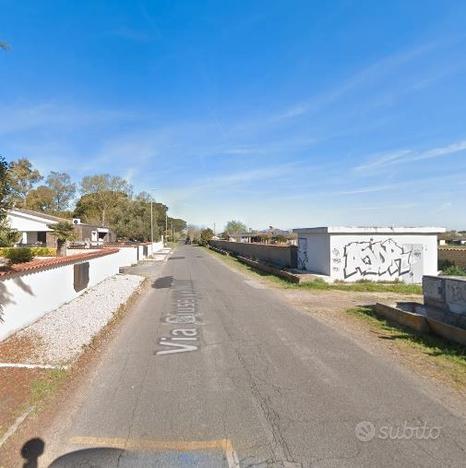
[[227, 182], [405, 156], [18, 118], [362, 77], [360, 190]]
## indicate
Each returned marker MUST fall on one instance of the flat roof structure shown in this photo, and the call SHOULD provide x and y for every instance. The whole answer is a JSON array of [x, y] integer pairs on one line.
[[370, 230]]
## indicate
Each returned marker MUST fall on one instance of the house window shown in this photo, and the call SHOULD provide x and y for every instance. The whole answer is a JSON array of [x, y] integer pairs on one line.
[[81, 276], [42, 237]]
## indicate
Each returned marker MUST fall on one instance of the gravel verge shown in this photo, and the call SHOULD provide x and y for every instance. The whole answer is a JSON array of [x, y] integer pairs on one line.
[[63, 332]]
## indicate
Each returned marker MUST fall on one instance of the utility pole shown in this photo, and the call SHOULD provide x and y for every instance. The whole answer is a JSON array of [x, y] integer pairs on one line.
[[214, 229], [151, 221], [152, 214]]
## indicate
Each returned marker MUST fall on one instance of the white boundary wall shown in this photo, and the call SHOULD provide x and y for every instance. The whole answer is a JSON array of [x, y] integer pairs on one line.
[[128, 255], [29, 295], [373, 253]]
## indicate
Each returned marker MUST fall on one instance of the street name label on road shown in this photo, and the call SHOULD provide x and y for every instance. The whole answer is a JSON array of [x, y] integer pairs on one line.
[[185, 337]]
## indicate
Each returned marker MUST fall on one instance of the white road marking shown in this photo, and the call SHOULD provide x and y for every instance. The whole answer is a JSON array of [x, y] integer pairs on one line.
[[231, 455], [18, 365], [255, 284], [12, 429]]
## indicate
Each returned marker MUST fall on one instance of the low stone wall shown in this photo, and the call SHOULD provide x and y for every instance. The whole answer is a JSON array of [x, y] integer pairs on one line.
[[455, 255], [280, 256], [408, 319], [446, 295]]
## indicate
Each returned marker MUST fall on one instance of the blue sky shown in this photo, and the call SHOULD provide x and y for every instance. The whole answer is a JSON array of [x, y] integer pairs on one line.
[[283, 113]]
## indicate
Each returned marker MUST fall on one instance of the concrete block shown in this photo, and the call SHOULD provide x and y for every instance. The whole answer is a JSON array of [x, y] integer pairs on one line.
[[449, 332], [434, 291], [411, 320], [455, 295]]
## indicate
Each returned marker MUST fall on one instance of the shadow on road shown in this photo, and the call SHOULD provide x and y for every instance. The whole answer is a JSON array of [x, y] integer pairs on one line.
[[163, 282], [31, 451]]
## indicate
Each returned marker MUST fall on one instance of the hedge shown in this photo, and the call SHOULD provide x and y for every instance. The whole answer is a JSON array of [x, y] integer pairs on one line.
[[19, 254], [36, 251]]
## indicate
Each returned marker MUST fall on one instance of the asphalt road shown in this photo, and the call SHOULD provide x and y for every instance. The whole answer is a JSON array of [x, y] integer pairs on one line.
[[211, 369]]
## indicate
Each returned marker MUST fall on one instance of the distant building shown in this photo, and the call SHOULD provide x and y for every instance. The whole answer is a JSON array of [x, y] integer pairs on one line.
[[458, 241], [240, 237], [93, 233], [35, 230], [266, 236]]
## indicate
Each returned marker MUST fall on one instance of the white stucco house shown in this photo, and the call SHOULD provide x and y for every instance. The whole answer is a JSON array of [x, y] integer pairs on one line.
[[33, 226], [35, 230], [349, 253]]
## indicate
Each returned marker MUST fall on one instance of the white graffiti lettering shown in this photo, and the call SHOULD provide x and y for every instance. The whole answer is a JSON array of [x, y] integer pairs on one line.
[[181, 340], [376, 258]]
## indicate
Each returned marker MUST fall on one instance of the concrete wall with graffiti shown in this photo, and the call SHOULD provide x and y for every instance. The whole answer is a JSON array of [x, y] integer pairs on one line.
[[314, 254], [383, 258], [377, 254]]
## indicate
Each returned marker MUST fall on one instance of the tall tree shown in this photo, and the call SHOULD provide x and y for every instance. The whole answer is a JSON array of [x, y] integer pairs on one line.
[[206, 236], [64, 190], [42, 199], [8, 236], [194, 233], [23, 177], [105, 189], [235, 227], [178, 224], [4, 188]]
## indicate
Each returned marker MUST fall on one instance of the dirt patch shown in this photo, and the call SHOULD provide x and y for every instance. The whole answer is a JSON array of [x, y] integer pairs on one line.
[[328, 305], [20, 348], [16, 393]]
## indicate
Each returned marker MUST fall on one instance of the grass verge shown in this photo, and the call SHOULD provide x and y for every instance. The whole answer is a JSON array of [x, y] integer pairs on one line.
[[46, 386], [321, 285], [446, 357]]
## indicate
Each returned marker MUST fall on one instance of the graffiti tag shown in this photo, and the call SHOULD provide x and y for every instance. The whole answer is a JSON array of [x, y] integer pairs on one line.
[[302, 254], [376, 258]]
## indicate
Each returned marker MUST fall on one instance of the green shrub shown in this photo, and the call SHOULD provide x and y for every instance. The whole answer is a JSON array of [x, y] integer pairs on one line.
[[18, 254], [454, 270], [36, 251], [444, 264], [43, 251]]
